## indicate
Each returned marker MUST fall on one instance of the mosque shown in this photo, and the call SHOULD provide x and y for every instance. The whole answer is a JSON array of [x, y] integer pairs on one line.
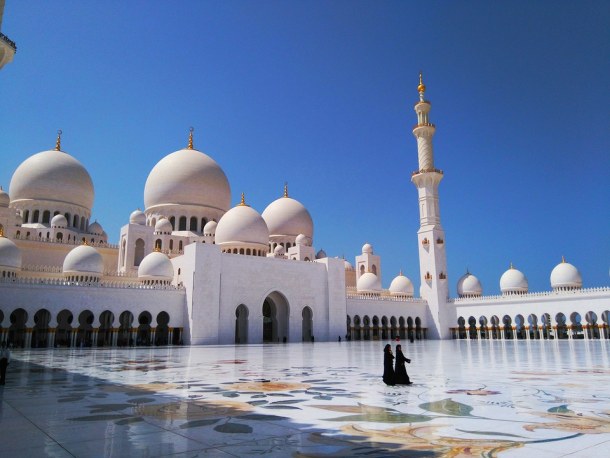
[[190, 270]]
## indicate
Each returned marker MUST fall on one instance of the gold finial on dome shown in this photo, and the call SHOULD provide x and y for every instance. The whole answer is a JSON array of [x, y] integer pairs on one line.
[[190, 145], [400, 273], [422, 87], [511, 265], [58, 141], [563, 259], [157, 248], [285, 189], [243, 200], [84, 241]]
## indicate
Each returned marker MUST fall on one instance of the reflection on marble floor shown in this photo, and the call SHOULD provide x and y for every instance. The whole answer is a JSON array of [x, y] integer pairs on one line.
[[470, 398]]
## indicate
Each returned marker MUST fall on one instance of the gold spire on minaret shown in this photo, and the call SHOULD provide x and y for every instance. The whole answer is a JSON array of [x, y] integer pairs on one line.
[[190, 145], [243, 200], [285, 189], [58, 141], [421, 88]]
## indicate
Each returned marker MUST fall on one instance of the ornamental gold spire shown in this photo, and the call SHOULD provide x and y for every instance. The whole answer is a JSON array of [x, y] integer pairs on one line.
[[285, 189], [190, 145], [421, 88], [563, 259], [243, 200], [58, 141], [157, 247]]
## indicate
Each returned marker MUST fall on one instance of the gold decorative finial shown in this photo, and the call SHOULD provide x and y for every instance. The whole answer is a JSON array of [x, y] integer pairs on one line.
[[285, 189], [84, 241], [243, 200], [511, 265], [157, 248], [58, 141], [563, 260], [1, 231], [422, 87], [400, 273], [190, 145]]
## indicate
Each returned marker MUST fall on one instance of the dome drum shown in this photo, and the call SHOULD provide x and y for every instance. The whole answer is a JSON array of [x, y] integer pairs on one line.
[[186, 217]]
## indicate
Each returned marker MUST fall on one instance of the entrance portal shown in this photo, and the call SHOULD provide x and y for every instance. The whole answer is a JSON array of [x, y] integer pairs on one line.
[[275, 318]]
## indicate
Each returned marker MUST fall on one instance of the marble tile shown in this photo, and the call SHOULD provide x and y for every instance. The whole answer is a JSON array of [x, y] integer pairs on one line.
[[507, 399]]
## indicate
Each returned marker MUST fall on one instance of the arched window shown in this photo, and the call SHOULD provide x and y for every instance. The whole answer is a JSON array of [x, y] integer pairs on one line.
[[182, 226], [172, 219], [35, 217], [26, 216], [180, 246], [362, 270], [139, 252], [75, 221], [374, 269], [46, 217], [171, 244], [193, 225]]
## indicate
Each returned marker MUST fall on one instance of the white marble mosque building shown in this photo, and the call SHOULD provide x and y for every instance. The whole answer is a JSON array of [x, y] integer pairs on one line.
[[191, 270]]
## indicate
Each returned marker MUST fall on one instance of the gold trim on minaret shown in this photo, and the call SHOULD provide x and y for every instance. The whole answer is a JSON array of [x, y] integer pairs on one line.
[[190, 145], [422, 86], [58, 141], [286, 189]]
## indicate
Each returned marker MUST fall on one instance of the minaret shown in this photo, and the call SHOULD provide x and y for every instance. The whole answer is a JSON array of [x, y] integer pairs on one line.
[[431, 237]]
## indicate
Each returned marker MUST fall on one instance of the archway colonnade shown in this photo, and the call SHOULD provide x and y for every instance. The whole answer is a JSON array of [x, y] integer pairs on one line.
[[84, 329], [534, 327], [366, 328]]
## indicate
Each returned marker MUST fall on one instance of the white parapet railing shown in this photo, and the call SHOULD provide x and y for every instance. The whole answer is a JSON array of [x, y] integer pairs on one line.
[[542, 294], [79, 284]]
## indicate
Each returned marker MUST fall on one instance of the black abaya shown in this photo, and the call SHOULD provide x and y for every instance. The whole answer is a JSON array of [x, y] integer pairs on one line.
[[388, 368], [401, 376]]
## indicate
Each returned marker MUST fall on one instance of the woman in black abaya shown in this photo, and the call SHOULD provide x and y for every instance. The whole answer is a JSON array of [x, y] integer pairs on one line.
[[388, 365], [401, 376]]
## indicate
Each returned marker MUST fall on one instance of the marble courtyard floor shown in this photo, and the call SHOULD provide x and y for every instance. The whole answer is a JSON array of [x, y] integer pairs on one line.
[[469, 398]]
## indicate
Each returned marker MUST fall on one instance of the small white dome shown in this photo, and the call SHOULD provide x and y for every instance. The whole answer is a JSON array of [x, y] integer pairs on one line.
[[347, 265], [83, 259], [163, 226], [10, 254], [5, 199], [288, 217], [368, 283], [513, 281], [95, 228], [565, 276], [242, 225], [210, 228], [469, 286], [279, 250], [52, 175], [137, 217], [156, 266], [367, 248], [401, 286], [321, 254], [59, 221], [187, 177], [302, 240]]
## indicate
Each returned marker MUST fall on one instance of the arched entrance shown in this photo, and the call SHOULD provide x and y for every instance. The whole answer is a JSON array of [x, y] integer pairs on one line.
[[307, 326], [241, 324], [40, 332], [162, 331], [16, 332], [275, 318], [104, 333]]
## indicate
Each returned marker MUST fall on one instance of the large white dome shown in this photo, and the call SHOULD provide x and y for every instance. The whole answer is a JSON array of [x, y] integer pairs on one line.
[[156, 266], [83, 259], [10, 254], [288, 217], [187, 177], [513, 281], [565, 276], [368, 283], [469, 286], [242, 225], [52, 175], [401, 286]]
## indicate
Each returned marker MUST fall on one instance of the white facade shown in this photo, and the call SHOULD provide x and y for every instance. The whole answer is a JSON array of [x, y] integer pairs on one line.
[[190, 270]]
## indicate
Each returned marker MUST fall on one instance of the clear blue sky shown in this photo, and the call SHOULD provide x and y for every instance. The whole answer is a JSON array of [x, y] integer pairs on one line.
[[320, 94]]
